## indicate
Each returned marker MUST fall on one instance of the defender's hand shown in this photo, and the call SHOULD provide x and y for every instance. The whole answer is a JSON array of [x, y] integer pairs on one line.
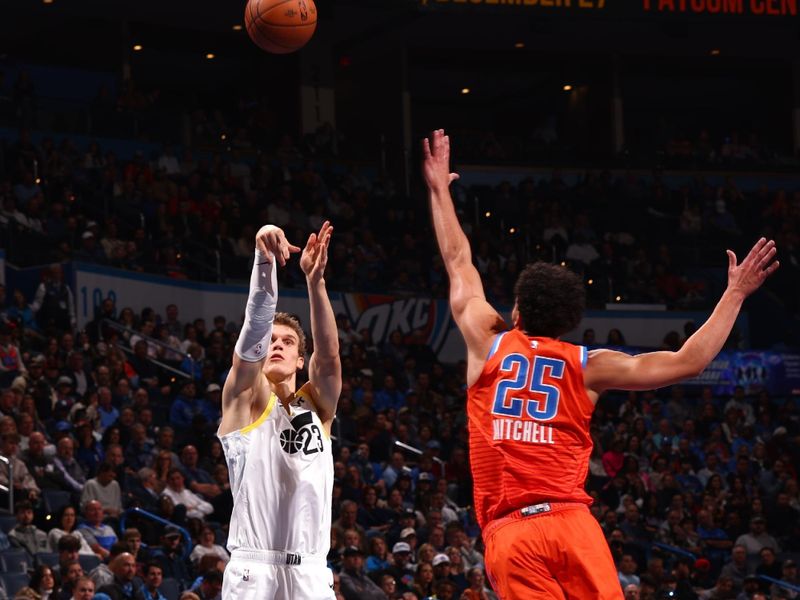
[[272, 242], [436, 161], [315, 254], [747, 276]]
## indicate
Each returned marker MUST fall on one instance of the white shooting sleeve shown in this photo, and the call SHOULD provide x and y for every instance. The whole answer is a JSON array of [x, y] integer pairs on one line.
[[256, 335]]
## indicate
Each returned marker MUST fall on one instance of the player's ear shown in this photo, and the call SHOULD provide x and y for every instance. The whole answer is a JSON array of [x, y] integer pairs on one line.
[[301, 360]]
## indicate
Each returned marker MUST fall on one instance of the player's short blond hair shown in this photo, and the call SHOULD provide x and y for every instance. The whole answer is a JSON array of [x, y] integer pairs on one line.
[[290, 321]]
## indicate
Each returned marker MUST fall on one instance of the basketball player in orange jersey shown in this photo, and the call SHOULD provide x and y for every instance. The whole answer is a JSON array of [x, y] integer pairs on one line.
[[530, 399]]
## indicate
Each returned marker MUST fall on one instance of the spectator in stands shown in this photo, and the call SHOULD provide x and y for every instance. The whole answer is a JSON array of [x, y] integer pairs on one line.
[[627, 571], [84, 589], [105, 489], [176, 490], [69, 573], [67, 549], [144, 490], [723, 590], [72, 472], [631, 592], [124, 586], [11, 365], [43, 582], [153, 578], [423, 580], [757, 538], [206, 545], [169, 556], [139, 451], [99, 536], [105, 414], [347, 519], [750, 587], [211, 587], [24, 534], [378, 559], [67, 520], [355, 585], [789, 575], [197, 479], [769, 564], [25, 485], [53, 303], [737, 569], [40, 465]]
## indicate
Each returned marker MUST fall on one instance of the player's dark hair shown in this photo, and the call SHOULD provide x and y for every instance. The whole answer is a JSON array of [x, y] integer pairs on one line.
[[550, 300]]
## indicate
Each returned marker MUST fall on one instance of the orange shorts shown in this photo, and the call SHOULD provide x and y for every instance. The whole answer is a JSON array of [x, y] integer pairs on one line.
[[559, 554]]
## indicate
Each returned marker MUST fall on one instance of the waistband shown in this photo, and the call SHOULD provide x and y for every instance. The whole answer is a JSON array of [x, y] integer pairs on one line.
[[533, 510], [277, 557]]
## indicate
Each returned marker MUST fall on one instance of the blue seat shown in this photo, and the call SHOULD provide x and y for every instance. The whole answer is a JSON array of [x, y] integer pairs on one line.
[[54, 500], [88, 562], [46, 558], [16, 561], [170, 588], [14, 582], [7, 523]]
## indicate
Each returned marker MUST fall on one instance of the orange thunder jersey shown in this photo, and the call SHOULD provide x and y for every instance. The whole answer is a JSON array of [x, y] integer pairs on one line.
[[529, 425]]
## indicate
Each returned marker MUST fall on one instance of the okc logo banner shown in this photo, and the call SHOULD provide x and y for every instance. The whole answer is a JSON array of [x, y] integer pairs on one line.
[[383, 315]]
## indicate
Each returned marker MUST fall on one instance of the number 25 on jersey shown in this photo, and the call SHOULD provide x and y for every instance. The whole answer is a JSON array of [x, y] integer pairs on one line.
[[520, 372]]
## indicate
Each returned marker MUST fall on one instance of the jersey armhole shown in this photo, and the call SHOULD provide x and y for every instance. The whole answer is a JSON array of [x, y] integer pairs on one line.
[[305, 393], [496, 344]]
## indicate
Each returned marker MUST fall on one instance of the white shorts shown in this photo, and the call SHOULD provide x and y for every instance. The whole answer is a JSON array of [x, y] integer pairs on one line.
[[266, 575]]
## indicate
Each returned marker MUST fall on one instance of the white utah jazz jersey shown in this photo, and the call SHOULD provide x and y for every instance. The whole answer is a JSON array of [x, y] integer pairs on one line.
[[281, 473]]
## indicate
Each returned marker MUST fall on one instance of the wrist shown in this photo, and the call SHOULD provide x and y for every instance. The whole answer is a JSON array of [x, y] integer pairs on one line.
[[735, 294], [316, 283]]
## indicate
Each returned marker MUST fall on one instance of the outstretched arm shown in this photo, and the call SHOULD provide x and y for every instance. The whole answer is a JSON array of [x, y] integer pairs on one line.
[[607, 369], [255, 338], [475, 317], [325, 368]]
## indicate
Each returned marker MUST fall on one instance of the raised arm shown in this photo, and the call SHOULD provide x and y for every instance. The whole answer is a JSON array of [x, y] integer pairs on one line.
[[325, 367], [475, 317], [253, 344], [607, 369]]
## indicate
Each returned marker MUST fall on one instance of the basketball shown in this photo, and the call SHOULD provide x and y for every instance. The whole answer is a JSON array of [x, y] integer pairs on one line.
[[280, 26]]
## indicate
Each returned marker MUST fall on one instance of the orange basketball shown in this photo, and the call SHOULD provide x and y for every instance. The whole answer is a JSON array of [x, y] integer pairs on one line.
[[280, 26]]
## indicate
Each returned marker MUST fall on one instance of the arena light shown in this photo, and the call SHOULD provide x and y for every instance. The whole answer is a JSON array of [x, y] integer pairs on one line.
[[47, 1], [519, 45], [488, 214], [567, 87], [512, 230], [211, 56], [618, 298], [563, 264], [237, 27], [715, 52], [137, 47], [590, 282], [465, 91]]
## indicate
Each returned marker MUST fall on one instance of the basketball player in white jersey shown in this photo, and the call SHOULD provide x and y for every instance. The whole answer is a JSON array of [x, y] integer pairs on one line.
[[276, 438]]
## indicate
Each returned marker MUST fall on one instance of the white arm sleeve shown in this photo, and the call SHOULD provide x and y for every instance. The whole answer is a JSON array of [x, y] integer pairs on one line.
[[256, 335]]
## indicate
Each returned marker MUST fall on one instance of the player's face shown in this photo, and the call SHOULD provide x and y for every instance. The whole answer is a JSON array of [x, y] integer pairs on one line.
[[283, 359]]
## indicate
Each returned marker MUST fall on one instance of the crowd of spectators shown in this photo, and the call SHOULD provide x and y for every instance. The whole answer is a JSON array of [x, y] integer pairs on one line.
[[697, 495], [633, 239]]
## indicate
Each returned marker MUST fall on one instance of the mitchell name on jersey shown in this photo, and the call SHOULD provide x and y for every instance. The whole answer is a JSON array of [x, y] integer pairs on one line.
[[515, 430]]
